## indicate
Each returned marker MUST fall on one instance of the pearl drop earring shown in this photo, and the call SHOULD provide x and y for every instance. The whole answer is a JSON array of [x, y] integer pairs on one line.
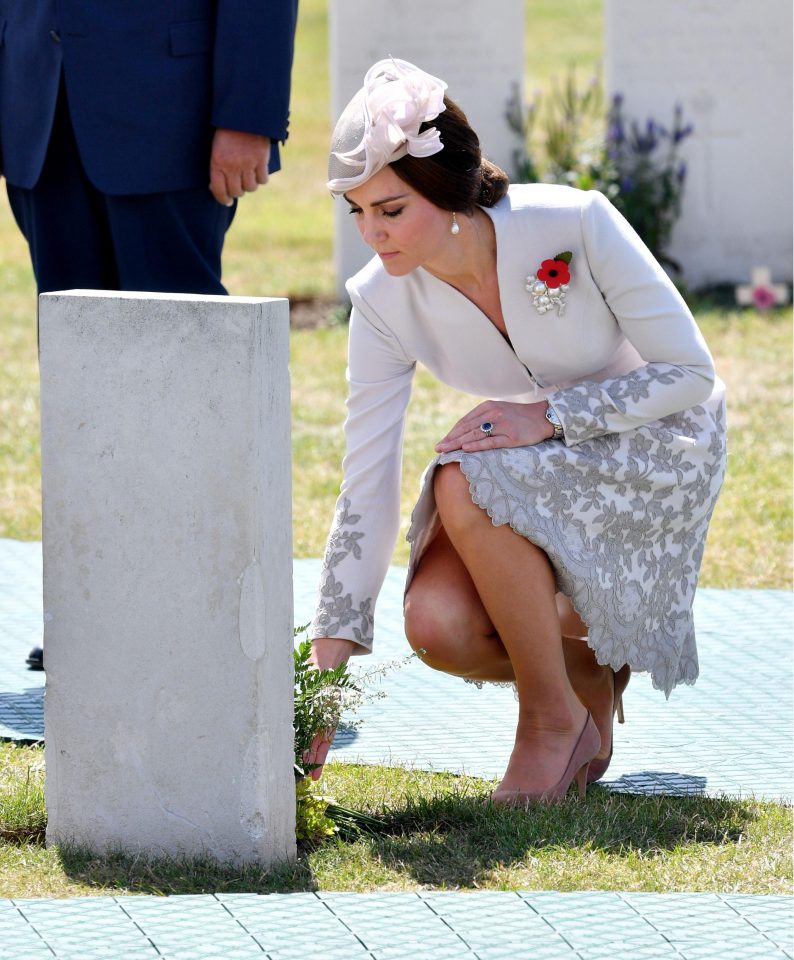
[[455, 228]]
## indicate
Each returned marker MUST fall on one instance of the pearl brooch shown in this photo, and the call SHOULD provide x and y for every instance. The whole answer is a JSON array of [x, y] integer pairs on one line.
[[549, 285]]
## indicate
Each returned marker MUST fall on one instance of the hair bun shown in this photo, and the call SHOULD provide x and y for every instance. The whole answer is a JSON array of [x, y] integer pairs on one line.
[[494, 184], [456, 178]]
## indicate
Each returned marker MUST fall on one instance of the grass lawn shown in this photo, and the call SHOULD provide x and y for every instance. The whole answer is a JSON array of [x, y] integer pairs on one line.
[[438, 832]]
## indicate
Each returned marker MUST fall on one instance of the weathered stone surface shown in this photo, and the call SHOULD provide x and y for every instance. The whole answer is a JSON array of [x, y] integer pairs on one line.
[[478, 51], [728, 63], [167, 573]]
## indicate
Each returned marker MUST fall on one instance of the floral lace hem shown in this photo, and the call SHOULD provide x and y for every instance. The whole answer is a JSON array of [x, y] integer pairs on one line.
[[623, 519]]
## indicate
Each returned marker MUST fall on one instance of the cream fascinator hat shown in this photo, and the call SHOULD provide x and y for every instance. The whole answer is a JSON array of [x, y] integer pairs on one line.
[[381, 123]]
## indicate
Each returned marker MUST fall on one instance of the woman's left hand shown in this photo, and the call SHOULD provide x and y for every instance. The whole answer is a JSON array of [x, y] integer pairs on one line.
[[514, 425]]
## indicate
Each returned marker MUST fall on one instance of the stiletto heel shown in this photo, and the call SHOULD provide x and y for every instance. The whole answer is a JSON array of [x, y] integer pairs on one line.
[[581, 780], [620, 680], [587, 746]]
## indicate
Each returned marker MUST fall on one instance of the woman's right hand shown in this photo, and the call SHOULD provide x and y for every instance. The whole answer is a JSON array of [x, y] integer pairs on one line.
[[327, 653]]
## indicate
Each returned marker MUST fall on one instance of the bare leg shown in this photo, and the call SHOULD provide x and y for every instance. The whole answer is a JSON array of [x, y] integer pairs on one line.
[[571, 623], [593, 685], [446, 621], [515, 583], [591, 681]]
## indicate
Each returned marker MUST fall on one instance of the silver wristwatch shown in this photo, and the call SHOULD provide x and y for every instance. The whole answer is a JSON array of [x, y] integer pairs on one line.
[[554, 420]]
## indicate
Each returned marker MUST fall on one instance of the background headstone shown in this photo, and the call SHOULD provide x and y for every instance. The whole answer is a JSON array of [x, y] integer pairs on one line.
[[478, 51], [728, 63], [168, 574]]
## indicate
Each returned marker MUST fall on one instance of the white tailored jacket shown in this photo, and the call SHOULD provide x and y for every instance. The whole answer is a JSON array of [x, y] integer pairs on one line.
[[625, 352]]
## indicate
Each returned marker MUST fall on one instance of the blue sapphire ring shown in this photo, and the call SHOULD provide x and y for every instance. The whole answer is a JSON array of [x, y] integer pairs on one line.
[[487, 428]]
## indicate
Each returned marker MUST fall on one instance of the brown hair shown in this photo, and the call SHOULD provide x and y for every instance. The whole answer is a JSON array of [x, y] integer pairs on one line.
[[458, 177]]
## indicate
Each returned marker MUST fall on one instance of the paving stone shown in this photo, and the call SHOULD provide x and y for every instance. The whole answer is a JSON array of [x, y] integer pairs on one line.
[[22, 714], [430, 925], [677, 747], [771, 916], [698, 923], [18, 939], [91, 928], [191, 927], [393, 924], [293, 925], [495, 924]]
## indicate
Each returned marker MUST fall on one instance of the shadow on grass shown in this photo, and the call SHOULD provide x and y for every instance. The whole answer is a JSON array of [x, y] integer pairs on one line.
[[450, 840], [120, 873], [454, 840]]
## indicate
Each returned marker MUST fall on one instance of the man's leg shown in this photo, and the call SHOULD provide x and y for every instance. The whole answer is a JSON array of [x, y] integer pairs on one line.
[[169, 242], [82, 238], [63, 218]]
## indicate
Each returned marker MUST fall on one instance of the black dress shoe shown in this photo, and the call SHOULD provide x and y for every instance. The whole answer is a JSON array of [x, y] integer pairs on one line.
[[35, 659]]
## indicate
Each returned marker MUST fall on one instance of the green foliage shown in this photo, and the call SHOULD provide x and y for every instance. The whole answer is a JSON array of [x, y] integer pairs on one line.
[[312, 822], [581, 145], [340, 315], [319, 700], [562, 132], [523, 119], [23, 816], [644, 166], [318, 708], [567, 128], [321, 696]]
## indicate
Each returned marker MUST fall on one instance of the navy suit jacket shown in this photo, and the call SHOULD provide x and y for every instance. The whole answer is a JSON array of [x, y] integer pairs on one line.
[[147, 82]]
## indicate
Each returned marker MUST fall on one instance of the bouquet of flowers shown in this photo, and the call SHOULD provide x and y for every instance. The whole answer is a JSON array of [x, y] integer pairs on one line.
[[321, 698]]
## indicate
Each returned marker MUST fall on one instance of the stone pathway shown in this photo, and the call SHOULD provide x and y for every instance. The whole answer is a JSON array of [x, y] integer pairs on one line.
[[400, 926], [729, 734]]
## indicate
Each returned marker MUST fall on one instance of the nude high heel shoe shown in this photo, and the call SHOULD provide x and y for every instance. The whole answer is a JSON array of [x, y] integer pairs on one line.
[[587, 746], [620, 680]]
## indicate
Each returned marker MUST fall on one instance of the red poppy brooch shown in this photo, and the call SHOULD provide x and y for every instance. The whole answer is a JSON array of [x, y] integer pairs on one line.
[[550, 284]]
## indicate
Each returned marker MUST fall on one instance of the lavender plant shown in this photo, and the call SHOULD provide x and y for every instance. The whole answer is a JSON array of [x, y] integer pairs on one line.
[[638, 167], [645, 165]]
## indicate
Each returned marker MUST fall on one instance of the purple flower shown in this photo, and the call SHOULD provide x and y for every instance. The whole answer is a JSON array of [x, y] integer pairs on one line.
[[615, 132]]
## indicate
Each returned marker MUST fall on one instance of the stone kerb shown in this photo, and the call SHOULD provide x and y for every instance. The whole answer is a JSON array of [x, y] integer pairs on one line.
[[167, 574], [478, 50]]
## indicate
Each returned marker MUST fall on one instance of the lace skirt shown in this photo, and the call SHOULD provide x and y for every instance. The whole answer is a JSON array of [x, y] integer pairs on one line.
[[623, 519]]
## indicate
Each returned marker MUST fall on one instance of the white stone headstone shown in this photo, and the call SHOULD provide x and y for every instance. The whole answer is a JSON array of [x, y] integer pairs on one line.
[[728, 63], [168, 574], [477, 50]]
